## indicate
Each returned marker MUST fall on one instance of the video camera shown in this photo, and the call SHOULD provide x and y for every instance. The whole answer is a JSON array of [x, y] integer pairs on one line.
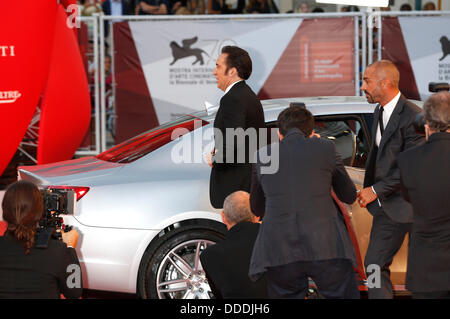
[[419, 122], [56, 202]]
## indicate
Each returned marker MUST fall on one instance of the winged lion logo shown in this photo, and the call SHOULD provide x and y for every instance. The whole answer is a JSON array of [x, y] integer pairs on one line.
[[184, 51]]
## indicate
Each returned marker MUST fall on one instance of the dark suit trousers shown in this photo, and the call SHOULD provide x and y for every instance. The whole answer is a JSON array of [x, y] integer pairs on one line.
[[386, 238], [335, 279]]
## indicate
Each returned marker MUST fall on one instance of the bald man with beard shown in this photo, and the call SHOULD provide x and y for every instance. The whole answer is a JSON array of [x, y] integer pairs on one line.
[[392, 133]]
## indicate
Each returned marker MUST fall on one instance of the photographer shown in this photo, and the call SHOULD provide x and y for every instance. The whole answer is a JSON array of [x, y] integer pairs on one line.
[[27, 271], [425, 177]]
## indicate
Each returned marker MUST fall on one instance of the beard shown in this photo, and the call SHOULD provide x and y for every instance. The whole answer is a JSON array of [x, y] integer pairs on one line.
[[369, 97]]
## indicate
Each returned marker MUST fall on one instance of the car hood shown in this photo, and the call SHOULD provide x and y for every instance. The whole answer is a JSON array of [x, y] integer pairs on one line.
[[68, 171]]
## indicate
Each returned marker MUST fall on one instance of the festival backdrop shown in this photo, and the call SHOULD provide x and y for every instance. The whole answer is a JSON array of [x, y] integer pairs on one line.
[[164, 69], [420, 48]]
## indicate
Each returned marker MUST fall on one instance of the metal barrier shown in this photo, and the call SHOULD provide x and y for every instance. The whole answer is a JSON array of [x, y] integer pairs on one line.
[[93, 61]]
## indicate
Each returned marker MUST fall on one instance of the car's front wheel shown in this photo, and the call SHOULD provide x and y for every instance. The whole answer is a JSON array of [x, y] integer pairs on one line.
[[171, 267]]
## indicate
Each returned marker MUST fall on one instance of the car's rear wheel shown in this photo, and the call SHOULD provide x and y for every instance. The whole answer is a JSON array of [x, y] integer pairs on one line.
[[171, 267]]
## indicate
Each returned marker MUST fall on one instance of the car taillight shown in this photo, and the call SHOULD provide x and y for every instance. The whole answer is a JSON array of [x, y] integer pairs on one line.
[[80, 191]]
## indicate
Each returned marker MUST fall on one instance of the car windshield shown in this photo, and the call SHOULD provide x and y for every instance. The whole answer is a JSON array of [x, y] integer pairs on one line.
[[139, 146]]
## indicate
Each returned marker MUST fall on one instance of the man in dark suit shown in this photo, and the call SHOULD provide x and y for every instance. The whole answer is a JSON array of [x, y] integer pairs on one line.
[[115, 8], [303, 234], [236, 126], [392, 133], [226, 263], [425, 177]]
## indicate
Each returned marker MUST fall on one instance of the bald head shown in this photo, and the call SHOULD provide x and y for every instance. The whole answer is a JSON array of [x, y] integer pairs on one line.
[[236, 208], [385, 70], [380, 82]]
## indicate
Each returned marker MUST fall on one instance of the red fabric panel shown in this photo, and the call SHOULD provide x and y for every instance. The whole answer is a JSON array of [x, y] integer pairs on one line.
[[83, 42], [319, 60], [134, 107], [26, 37], [394, 49], [66, 106]]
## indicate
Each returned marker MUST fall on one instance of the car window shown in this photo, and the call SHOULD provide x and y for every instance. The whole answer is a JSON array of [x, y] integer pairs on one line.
[[139, 146], [349, 137], [348, 133]]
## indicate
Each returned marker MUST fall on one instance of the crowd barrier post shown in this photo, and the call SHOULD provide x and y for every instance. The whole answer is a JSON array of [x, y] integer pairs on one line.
[[94, 149], [357, 52], [102, 84], [364, 44]]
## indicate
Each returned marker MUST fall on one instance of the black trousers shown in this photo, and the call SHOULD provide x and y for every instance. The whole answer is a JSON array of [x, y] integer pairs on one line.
[[386, 238], [335, 279]]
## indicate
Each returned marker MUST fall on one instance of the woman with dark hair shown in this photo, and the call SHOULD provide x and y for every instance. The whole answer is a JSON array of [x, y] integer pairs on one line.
[[27, 271]]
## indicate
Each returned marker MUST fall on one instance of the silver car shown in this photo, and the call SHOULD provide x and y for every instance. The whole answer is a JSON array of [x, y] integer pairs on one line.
[[143, 210]]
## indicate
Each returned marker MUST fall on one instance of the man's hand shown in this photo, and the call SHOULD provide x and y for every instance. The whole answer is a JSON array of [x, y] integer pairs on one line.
[[365, 196]]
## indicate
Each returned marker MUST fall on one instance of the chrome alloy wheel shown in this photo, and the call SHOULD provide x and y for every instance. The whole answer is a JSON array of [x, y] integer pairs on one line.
[[181, 275]]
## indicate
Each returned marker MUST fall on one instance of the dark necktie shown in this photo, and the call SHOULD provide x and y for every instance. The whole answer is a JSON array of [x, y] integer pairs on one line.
[[380, 120]]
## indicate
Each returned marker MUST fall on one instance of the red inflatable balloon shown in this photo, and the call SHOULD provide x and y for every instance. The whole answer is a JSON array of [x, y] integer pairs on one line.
[[40, 58], [66, 107], [26, 37]]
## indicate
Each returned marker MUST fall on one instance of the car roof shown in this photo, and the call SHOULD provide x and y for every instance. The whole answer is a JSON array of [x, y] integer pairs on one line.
[[324, 105], [320, 105]]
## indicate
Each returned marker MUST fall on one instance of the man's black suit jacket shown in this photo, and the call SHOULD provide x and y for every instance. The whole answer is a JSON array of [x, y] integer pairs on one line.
[[239, 108], [42, 274], [226, 264], [106, 8], [381, 167], [301, 221], [425, 176], [126, 10]]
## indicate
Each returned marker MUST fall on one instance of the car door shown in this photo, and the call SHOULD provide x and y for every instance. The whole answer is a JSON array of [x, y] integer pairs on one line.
[[350, 133]]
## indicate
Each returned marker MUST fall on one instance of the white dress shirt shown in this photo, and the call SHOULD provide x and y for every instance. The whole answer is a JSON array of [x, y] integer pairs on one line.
[[388, 109], [116, 7]]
